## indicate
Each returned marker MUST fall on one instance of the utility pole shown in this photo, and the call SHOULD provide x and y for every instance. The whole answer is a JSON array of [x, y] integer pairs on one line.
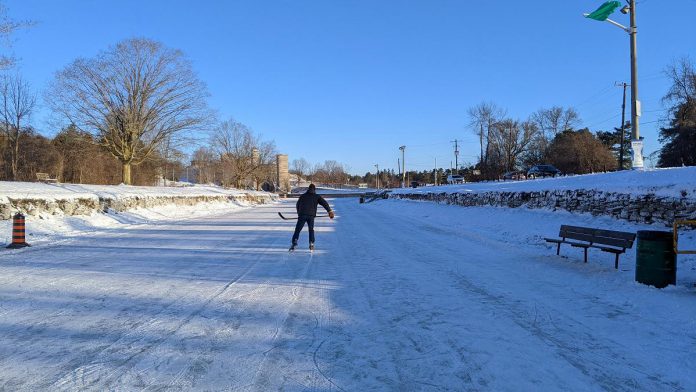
[[398, 166], [456, 155], [636, 140], [622, 129], [377, 166], [403, 166], [435, 171]]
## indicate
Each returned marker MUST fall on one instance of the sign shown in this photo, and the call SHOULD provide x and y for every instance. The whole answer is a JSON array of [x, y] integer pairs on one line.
[[637, 154]]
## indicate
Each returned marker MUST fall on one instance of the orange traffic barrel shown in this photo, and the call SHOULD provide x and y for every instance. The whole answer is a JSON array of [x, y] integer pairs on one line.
[[18, 229]]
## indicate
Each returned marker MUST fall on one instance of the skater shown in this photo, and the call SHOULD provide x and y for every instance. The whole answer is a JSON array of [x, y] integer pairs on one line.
[[306, 212]]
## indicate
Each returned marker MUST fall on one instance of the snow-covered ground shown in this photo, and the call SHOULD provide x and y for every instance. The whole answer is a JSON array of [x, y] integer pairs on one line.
[[672, 182], [37, 190], [399, 296]]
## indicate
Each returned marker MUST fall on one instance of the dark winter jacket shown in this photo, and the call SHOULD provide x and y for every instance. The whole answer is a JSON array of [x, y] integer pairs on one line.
[[307, 204]]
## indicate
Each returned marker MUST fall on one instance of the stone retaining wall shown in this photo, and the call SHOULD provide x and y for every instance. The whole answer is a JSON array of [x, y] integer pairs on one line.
[[87, 206], [635, 208]]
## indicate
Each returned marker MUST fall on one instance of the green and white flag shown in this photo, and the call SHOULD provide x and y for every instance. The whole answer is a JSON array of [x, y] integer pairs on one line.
[[603, 12]]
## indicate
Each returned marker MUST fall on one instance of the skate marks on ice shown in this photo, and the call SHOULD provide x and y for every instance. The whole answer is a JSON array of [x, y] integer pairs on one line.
[[468, 320], [136, 351]]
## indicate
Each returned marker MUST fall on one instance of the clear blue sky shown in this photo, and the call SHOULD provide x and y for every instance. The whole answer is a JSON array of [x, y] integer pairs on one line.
[[353, 80]]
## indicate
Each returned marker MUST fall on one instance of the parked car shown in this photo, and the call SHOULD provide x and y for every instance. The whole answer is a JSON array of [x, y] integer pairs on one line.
[[514, 175], [415, 184], [543, 171], [455, 179]]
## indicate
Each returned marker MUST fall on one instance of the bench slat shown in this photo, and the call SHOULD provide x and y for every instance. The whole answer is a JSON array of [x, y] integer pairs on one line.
[[577, 229], [611, 250], [613, 242], [578, 236], [616, 234]]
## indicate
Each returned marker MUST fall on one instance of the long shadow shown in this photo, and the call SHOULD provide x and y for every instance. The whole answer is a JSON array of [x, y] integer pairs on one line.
[[80, 329], [164, 297]]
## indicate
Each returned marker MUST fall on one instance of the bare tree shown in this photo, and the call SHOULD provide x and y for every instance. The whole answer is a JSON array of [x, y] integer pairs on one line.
[[204, 164], [512, 139], [7, 28], [301, 167], [18, 103], [132, 97], [550, 122], [243, 155], [678, 137], [482, 119], [330, 172], [555, 120], [681, 96]]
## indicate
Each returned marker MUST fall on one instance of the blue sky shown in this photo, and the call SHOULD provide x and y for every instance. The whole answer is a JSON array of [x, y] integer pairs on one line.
[[354, 80]]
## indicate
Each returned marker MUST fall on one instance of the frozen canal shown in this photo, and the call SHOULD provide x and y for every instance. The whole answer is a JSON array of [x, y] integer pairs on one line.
[[399, 296]]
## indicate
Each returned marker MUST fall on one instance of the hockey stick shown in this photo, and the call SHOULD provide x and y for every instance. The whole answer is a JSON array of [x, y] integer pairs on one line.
[[318, 216]]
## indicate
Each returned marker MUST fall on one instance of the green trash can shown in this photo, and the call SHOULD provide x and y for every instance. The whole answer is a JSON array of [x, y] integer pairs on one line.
[[656, 262]]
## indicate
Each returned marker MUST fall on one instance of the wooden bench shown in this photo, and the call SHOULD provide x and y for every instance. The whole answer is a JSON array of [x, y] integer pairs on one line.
[[44, 177], [610, 241]]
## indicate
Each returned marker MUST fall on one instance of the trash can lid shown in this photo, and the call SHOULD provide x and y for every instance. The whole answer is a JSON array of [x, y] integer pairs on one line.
[[653, 235]]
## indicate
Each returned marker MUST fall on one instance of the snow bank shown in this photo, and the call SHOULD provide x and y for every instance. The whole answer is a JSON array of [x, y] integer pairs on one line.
[[672, 182], [658, 196], [37, 199]]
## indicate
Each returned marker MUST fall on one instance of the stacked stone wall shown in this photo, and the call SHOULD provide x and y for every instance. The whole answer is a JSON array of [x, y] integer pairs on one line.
[[87, 206], [647, 208]]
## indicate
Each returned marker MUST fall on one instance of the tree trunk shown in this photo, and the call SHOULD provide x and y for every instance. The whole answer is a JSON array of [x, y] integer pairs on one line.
[[126, 173], [15, 158], [481, 157]]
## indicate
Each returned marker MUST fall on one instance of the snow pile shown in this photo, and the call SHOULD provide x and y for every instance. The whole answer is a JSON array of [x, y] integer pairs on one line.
[[658, 196], [672, 182], [40, 199]]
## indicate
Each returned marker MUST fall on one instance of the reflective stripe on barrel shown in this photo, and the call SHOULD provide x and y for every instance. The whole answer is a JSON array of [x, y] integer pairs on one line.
[[18, 229]]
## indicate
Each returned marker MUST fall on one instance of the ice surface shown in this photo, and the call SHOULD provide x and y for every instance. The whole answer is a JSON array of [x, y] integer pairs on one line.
[[399, 295]]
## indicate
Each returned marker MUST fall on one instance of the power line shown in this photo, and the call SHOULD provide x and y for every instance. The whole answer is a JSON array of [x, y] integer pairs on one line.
[[594, 96]]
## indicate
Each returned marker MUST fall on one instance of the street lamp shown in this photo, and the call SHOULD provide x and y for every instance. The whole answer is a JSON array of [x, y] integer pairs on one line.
[[602, 15], [377, 166], [403, 166]]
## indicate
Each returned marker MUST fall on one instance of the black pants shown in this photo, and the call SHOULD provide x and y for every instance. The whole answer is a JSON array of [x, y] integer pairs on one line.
[[301, 220]]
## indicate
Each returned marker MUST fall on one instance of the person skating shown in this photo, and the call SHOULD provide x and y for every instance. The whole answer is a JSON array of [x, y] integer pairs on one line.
[[306, 212]]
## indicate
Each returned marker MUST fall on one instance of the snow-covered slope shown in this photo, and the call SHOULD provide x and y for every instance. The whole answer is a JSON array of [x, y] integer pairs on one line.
[[673, 182], [34, 190], [72, 199]]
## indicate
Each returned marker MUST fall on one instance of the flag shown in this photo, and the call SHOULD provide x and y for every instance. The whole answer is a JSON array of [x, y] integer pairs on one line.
[[603, 12]]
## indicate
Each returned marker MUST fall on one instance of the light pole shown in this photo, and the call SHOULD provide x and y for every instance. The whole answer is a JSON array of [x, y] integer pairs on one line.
[[602, 14], [377, 166], [403, 166]]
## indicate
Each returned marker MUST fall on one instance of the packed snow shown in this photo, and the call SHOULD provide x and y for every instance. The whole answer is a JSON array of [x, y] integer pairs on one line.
[[672, 182], [400, 295]]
